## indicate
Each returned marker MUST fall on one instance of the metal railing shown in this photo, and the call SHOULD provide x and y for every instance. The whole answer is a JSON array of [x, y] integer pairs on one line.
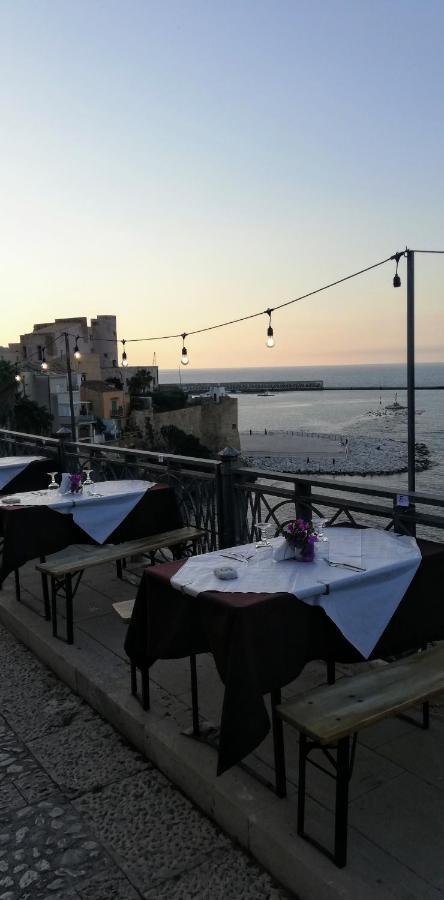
[[228, 500]]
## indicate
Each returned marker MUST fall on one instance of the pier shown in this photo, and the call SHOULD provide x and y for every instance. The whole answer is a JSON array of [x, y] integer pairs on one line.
[[275, 387]]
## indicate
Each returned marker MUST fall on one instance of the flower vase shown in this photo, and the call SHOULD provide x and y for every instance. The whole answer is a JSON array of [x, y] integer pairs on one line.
[[304, 552]]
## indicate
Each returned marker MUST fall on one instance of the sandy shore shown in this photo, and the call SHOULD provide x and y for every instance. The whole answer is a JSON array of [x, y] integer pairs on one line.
[[325, 454]]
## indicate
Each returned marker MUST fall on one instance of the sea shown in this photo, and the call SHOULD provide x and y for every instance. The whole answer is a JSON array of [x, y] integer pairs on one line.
[[345, 412]]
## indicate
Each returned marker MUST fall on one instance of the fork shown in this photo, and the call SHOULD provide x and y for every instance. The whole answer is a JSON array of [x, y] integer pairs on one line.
[[345, 565]]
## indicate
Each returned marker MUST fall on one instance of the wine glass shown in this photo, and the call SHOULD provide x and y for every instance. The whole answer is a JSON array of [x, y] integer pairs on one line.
[[264, 529], [89, 484], [321, 524], [53, 486]]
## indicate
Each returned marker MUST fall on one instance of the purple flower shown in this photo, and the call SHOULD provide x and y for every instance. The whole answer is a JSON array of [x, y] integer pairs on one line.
[[75, 483]]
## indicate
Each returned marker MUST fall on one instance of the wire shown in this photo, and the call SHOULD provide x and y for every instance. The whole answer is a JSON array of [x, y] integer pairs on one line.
[[263, 312], [428, 251]]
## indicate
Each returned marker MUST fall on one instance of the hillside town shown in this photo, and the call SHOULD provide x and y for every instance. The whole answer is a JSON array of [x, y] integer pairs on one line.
[[72, 371]]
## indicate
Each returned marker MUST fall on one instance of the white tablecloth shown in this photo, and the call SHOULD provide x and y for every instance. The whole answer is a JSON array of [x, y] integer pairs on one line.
[[360, 603], [11, 466], [97, 516]]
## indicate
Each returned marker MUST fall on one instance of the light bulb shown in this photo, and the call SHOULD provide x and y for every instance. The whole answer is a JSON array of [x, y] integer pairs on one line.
[[184, 358], [124, 359], [396, 281], [270, 338], [77, 354], [18, 377], [44, 365]]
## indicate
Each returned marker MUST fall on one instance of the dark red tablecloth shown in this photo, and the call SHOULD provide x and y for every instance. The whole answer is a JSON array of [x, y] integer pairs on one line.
[[33, 531], [261, 642], [34, 478]]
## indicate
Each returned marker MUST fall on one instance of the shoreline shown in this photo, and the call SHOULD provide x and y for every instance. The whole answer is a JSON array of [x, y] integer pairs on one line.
[[362, 455]]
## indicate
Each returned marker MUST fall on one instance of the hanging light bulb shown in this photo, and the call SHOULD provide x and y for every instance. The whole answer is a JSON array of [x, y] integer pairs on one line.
[[396, 278], [77, 354], [184, 357], [270, 338], [44, 364], [124, 356], [17, 375]]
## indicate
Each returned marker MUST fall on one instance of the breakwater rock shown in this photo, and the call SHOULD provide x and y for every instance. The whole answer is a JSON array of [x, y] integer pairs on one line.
[[362, 455]]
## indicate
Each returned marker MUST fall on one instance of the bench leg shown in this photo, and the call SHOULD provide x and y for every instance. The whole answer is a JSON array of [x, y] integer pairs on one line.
[[69, 614], [301, 784], [278, 746], [426, 714], [45, 592], [119, 568], [341, 810], [194, 695], [17, 584], [53, 606]]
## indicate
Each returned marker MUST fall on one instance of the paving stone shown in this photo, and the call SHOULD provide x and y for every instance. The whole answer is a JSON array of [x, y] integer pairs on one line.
[[45, 848], [41, 705], [86, 755], [224, 875], [109, 885], [154, 830], [10, 798]]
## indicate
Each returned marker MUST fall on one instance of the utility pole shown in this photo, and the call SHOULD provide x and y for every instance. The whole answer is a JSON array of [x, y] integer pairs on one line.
[[411, 368], [71, 401]]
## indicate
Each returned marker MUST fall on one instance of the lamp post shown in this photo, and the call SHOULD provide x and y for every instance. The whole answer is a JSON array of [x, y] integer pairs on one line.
[[411, 368], [71, 400]]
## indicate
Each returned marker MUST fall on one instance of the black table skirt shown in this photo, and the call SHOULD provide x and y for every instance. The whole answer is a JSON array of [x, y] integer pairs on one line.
[[261, 642], [35, 531], [34, 478]]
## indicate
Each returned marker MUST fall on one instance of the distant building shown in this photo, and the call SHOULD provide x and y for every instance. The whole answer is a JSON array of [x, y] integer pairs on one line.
[[108, 403], [97, 343], [50, 390]]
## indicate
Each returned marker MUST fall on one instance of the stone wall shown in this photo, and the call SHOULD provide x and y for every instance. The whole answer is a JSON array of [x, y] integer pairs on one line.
[[214, 424]]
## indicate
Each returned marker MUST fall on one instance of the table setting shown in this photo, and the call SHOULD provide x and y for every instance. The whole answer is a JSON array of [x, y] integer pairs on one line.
[[37, 523], [366, 593]]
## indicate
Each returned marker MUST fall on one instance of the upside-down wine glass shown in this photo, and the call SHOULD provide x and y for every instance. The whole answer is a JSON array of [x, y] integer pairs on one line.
[[264, 529], [52, 486]]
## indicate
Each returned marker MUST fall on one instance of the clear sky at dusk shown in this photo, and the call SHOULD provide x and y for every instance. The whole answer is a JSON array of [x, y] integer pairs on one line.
[[180, 163]]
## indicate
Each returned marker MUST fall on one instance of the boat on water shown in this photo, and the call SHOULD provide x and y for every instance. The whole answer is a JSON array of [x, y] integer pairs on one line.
[[265, 394], [395, 406]]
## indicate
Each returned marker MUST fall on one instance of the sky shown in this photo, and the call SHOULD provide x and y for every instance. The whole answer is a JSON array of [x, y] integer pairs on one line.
[[179, 164]]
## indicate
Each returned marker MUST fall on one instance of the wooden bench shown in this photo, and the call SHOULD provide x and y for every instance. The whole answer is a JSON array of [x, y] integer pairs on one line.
[[328, 717], [62, 569]]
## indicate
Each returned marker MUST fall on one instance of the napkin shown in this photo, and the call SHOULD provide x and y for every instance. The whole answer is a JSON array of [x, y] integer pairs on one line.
[[64, 483], [282, 550]]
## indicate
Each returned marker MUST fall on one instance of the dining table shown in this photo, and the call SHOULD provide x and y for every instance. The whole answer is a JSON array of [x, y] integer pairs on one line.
[[34, 524], [25, 473], [378, 597]]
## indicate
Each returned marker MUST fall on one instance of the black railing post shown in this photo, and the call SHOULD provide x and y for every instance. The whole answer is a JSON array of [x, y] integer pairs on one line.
[[227, 500], [302, 495]]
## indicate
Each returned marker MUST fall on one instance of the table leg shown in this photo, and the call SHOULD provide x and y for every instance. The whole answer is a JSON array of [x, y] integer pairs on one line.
[[194, 695], [278, 745], [17, 584], [69, 613]]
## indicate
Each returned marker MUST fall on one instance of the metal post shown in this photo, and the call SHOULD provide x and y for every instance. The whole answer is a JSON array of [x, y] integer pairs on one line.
[[227, 498], [411, 368], [71, 401]]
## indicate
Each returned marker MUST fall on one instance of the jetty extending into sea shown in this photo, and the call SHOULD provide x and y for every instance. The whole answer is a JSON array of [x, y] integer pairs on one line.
[[272, 387]]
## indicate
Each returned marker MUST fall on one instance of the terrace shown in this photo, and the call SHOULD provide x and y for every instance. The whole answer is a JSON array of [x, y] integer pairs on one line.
[[396, 833]]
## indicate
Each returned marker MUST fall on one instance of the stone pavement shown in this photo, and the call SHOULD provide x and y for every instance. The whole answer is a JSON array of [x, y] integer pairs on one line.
[[83, 816], [396, 835]]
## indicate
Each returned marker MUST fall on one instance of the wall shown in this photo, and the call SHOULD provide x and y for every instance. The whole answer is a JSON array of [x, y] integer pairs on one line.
[[212, 423]]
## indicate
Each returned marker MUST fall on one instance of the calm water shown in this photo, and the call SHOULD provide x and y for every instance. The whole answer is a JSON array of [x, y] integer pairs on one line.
[[345, 412]]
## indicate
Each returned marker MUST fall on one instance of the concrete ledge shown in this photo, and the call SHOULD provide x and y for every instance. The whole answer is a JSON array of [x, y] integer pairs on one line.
[[241, 806]]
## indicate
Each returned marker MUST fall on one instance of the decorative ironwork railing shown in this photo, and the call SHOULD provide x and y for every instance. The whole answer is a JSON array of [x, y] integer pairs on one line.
[[228, 501], [275, 497]]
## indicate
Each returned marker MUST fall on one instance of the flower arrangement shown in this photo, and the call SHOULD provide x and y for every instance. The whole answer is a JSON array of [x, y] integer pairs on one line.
[[75, 483], [302, 536]]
